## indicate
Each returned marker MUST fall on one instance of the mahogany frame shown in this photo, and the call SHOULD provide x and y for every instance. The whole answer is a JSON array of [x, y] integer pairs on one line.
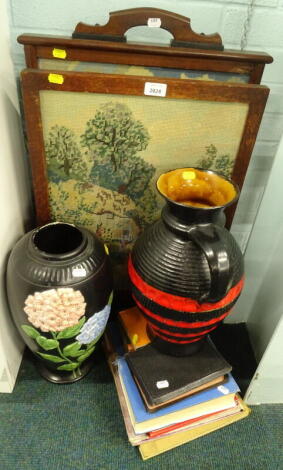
[[107, 44], [33, 81]]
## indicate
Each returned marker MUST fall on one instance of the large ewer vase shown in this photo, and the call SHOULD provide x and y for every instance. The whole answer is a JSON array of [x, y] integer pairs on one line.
[[186, 269]]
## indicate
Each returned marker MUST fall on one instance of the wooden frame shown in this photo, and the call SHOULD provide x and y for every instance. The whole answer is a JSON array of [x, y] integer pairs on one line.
[[35, 81], [107, 44]]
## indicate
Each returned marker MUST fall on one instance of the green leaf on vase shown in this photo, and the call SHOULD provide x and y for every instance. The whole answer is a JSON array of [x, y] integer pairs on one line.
[[78, 353], [46, 343], [71, 331], [110, 298], [50, 357], [30, 331], [71, 366], [71, 349], [86, 355]]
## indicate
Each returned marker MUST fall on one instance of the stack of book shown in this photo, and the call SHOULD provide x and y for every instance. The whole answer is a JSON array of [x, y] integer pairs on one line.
[[167, 401]]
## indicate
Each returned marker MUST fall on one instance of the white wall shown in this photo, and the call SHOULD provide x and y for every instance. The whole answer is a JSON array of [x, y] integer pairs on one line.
[[262, 298], [14, 199], [267, 383]]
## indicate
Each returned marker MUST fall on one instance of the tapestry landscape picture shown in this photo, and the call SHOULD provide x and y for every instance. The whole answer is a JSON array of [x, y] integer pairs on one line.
[[104, 154]]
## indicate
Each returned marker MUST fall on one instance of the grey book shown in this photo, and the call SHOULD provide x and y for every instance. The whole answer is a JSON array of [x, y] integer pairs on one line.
[[163, 379]]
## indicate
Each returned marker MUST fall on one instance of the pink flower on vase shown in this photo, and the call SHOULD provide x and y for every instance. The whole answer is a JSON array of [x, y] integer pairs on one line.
[[55, 309]]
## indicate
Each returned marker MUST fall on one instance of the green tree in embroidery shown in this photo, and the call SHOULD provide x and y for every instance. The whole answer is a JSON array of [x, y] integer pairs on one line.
[[208, 161], [64, 158], [222, 163], [147, 208], [113, 139]]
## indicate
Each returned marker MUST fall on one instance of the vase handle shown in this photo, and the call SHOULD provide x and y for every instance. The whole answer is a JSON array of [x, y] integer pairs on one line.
[[209, 239]]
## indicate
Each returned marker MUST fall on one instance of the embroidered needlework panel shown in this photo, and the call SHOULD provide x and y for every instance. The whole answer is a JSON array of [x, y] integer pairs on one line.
[[148, 71], [97, 144], [105, 152]]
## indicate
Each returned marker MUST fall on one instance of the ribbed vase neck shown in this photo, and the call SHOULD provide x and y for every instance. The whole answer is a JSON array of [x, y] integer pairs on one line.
[[179, 217]]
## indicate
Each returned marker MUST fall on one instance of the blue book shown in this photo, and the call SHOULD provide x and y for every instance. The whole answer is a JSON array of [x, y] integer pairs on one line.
[[208, 401]]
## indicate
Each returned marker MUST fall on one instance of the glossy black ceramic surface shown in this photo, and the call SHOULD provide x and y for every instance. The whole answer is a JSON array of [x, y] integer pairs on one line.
[[187, 273], [59, 283]]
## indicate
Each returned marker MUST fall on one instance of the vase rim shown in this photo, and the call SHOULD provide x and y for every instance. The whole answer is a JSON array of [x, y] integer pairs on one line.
[[198, 208], [72, 246]]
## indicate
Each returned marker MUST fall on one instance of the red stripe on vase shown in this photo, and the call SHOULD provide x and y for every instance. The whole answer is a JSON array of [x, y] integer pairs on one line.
[[181, 324], [182, 304], [170, 340], [181, 335]]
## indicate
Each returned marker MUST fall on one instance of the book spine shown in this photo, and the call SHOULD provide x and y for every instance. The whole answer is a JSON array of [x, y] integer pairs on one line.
[[158, 446], [162, 431]]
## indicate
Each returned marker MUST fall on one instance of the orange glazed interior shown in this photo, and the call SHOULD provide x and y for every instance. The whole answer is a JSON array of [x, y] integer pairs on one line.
[[194, 187]]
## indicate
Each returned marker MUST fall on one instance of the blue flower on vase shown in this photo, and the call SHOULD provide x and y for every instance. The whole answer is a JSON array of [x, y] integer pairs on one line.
[[95, 326]]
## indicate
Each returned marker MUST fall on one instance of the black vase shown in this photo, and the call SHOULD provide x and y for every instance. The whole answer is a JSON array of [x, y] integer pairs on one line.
[[59, 285], [186, 269]]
